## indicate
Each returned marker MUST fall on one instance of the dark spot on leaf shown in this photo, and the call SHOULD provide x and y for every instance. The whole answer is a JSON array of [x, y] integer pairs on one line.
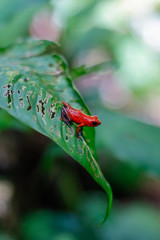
[[8, 94], [21, 102], [66, 137], [51, 65], [80, 150], [40, 106], [37, 108], [19, 91], [7, 86], [51, 128], [60, 90], [30, 106], [9, 100], [51, 113], [26, 79]]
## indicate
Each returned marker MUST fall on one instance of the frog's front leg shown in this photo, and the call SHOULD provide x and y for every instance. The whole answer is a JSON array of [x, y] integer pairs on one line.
[[65, 117], [79, 130]]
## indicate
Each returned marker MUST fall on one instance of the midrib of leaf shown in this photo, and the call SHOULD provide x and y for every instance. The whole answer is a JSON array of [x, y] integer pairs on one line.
[[32, 90]]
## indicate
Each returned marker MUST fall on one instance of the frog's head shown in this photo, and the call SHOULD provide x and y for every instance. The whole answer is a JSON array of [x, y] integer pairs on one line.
[[95, 121]]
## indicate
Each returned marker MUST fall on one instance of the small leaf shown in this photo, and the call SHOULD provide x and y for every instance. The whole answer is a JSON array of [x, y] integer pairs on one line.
[[83, 70], [33, 84]]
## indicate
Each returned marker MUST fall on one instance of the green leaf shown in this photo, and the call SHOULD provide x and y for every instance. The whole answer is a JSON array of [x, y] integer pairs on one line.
[[130, 141], [83, 70], [33, 83], [15, 18]]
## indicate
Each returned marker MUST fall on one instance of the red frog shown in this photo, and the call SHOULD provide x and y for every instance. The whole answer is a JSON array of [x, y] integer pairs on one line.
[[69, 114]]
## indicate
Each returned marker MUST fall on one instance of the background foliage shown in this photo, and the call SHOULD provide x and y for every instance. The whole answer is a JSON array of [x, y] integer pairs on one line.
[[113, 56]]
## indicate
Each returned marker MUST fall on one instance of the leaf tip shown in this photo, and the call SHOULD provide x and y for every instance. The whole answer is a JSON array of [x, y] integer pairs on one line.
[[109, 204]]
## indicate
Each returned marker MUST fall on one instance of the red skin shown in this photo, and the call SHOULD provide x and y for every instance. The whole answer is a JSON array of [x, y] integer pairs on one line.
[[69, 114]]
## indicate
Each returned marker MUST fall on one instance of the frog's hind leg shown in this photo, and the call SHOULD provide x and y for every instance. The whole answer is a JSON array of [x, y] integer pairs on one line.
[[65, 117]]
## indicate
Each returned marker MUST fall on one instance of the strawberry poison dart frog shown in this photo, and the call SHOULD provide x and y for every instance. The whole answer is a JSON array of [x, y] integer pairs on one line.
[[69, 114]]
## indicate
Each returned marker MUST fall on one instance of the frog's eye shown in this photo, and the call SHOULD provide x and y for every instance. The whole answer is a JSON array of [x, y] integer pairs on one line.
[[94, 123]]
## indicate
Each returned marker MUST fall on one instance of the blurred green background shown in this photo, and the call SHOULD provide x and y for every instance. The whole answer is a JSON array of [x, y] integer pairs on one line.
[[113, 51]]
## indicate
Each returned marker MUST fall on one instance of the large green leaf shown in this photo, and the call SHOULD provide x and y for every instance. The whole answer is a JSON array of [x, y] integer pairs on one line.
[[34, 81], [130, 141]]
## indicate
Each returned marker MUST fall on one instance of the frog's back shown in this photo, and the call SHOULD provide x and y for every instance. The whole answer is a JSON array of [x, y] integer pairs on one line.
[[78, 116]]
